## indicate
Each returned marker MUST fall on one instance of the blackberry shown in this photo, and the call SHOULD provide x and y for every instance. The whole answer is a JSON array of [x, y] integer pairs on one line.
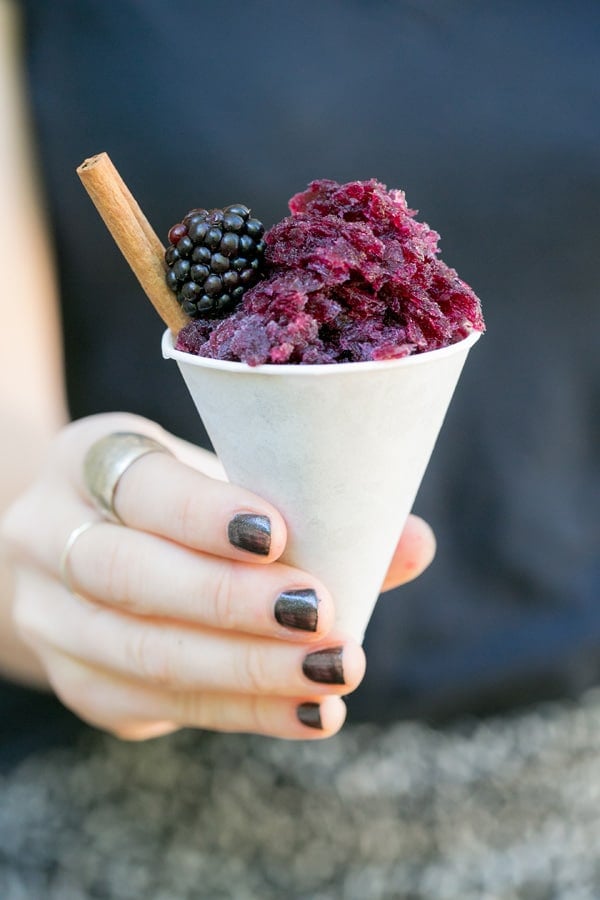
[[213, 257]]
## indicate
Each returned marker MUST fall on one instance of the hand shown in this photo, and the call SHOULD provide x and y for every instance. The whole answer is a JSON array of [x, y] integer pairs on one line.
[[169, 623]]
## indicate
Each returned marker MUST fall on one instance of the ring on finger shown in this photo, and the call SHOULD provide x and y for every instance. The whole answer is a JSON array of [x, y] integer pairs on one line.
[[63, 565], [106, 462]]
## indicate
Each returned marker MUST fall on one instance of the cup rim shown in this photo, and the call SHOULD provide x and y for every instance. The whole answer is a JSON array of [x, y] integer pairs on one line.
[[169, 352]]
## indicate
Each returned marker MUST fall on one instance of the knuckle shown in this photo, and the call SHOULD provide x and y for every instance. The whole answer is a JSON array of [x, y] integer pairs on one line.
[[74, 691], [200, 710], [74, 437], [253, 674], [72, 430], [122, 574], [149, 656], [260, 716], [113, 567], [97, 425], [192, 710], [29, 611], [225, 611], [185, 518], [26, 619], [74, 684], [14, 524]]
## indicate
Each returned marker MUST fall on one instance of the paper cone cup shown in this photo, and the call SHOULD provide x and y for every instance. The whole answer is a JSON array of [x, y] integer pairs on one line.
[[340, 450]]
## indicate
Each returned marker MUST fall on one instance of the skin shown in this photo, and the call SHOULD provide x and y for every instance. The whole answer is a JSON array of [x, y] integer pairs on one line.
[[167, 624]]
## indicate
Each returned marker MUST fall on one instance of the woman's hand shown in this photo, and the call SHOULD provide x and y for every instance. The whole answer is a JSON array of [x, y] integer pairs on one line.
[[180, 618]]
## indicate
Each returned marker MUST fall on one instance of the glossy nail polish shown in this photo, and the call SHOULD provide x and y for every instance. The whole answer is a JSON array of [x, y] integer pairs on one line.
[[325, 666], [310, 714], [298, 609], [250, 532]]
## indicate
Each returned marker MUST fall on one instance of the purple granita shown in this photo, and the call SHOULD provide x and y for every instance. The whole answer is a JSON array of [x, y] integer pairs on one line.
[[349, 276]]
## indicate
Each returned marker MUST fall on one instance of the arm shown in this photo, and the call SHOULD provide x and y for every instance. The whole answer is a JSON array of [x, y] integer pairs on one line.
[[32, 396]]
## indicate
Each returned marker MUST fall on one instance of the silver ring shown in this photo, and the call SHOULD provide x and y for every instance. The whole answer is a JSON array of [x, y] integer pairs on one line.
[[63, 565], [107, 461]]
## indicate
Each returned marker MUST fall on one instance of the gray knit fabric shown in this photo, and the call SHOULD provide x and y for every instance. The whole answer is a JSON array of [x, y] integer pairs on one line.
[[497, 810]]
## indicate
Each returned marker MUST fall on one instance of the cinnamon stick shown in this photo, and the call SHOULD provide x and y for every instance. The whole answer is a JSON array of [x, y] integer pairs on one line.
[[133, 234]]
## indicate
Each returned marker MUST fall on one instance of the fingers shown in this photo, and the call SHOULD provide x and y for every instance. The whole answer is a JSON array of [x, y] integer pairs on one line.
[[147, 576], [136, 712], [148, 695], [415, 551], [167, 655], [144, 575], [176, 624], [160, 494]]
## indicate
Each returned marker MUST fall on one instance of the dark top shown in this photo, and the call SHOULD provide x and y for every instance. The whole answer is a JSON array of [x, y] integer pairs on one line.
[[487, 115]]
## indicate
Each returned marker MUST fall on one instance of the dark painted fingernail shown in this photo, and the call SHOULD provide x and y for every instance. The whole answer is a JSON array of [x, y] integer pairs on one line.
[[310, 714], [298, 609], [250, 532], [325, 666]]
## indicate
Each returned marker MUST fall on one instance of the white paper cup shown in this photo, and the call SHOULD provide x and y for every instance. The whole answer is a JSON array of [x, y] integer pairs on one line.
[[340, 450]]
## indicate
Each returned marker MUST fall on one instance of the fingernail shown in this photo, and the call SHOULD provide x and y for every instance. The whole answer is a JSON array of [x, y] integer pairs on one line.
[[250, 532], [298, 609], [325, 666], [310, 714]]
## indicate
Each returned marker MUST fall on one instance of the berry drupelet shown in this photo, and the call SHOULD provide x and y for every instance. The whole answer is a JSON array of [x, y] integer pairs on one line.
[[213, 257]]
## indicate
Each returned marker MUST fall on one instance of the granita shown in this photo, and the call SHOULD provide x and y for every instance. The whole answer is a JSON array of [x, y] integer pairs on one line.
[[349, 276]]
